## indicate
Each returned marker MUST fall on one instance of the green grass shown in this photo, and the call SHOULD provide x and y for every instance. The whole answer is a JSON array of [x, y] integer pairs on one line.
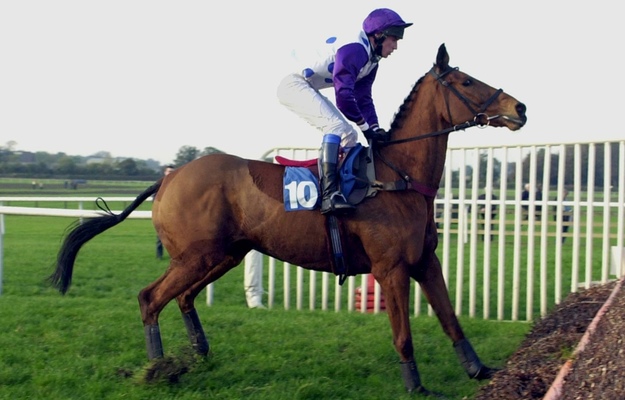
[[89, 343]]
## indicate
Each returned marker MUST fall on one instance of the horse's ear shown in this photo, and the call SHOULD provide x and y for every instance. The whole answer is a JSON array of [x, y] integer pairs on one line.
[[442, 58]]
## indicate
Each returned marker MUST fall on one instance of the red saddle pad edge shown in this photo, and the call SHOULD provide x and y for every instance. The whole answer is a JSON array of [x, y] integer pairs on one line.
[[296, 163]]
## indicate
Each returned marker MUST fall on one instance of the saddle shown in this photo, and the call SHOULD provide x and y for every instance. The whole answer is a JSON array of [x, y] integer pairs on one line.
[[356, 172]]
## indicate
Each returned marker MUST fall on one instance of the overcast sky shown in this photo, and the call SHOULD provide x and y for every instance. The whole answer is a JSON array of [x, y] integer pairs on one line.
[[144, 78]]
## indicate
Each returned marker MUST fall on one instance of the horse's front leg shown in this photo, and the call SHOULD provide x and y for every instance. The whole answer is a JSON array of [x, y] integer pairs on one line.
[[433, 285], [396, 288]]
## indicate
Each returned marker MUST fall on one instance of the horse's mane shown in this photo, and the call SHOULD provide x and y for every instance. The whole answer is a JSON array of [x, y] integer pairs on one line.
[[398, 118]]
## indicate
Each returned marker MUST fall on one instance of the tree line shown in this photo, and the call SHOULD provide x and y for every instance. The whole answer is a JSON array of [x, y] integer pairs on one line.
[[102, 165]]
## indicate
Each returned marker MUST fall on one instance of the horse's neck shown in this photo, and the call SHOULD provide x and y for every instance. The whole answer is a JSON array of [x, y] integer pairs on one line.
[[424, 159]]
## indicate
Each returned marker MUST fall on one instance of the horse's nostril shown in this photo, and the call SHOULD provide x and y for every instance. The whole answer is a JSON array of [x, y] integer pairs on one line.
[[520, 109]]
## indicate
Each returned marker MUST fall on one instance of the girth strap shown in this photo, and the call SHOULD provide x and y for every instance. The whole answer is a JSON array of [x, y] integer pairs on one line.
[[407, 185], [338, 259]]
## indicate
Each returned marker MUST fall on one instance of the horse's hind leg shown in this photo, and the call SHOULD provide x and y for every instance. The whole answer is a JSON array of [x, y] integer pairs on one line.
[[151, 329], [191, 319], [186, 303], [434, 288], [196, 332], [152, 299]]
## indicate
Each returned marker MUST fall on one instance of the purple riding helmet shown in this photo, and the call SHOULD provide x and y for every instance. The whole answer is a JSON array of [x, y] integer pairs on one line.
[[385, 21]]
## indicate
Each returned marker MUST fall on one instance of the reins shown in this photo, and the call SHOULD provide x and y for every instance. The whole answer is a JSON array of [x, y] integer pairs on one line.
[[454, 128]]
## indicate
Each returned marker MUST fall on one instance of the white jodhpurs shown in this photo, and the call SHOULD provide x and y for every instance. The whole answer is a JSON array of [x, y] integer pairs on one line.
[[296, 94], [253, 279]]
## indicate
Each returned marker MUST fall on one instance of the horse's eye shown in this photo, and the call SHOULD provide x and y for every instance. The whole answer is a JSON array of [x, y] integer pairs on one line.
[[467, 82]]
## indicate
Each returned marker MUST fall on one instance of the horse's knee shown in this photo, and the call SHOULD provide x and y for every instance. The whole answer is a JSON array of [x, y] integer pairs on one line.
[[144, 301], [143, 297], [149, 310]]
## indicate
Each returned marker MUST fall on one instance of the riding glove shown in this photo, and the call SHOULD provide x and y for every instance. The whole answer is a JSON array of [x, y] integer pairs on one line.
[[376, 134]]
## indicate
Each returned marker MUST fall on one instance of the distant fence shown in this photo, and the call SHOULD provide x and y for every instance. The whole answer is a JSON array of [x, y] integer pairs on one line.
[[505, 256]]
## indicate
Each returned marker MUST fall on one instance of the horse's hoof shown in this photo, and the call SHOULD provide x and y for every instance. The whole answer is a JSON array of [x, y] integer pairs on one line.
[[486, 373], [423, 391]]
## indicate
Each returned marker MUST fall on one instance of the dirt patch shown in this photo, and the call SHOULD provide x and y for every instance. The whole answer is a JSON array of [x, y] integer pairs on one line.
[[597, 372]]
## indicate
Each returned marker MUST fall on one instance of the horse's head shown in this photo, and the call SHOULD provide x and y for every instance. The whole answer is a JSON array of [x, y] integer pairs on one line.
[[468, 99], [442, 101]]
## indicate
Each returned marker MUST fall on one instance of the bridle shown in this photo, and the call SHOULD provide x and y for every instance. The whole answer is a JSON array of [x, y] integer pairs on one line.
[[480, 118]]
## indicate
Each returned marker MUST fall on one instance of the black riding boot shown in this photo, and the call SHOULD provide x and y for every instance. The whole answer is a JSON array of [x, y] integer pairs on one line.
[[332, 200]]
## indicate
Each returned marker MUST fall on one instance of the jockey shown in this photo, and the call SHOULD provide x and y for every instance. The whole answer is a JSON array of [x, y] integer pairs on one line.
[[349, 67]]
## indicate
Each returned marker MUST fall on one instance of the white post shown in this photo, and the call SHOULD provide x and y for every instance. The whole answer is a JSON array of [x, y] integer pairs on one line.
[[299, 284], [210, 296], [544, 237], [286, 284], [325, 281], [351, 295], [1, 247], [501, 244], [272, 282], [337, 291], [531, 230], [590, 198], [516, 262], [312, 289]]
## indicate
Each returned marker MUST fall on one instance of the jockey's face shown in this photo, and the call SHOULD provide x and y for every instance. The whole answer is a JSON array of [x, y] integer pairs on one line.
[[389, 45]]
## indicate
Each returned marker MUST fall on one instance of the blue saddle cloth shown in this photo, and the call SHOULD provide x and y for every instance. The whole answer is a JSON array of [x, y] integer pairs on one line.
[[301, 189]]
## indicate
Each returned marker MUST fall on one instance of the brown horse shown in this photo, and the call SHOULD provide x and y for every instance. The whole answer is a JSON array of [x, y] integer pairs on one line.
[[211, 212]]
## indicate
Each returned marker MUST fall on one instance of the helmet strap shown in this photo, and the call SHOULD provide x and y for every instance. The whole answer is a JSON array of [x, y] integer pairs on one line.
[[378, 40]]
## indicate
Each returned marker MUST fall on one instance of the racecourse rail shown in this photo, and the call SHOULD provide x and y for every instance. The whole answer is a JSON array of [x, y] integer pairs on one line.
[[524, 234]]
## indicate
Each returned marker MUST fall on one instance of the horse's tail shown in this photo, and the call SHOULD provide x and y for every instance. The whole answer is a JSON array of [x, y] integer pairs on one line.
[[81, 233]]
